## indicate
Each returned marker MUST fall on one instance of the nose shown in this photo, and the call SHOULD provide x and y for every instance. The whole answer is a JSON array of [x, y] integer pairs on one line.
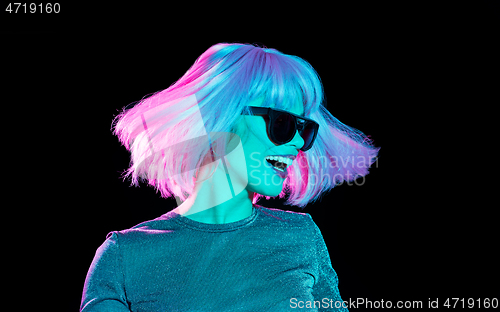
[[297, 141]]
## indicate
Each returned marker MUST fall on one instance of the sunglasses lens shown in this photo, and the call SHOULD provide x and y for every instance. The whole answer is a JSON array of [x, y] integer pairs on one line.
[[284, 128], [308, 134]]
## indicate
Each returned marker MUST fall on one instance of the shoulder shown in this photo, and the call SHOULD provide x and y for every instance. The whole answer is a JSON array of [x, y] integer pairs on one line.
[[291, 219], [287, 218], [145, 231]]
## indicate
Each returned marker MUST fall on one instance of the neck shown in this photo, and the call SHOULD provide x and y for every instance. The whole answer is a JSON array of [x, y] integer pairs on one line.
[[218, 200]]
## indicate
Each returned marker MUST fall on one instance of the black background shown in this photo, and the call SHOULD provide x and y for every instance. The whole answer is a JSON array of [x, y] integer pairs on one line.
[[415, 77]]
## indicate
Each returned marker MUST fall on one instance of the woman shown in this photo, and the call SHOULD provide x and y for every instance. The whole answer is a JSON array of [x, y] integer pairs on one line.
[[244, 122]]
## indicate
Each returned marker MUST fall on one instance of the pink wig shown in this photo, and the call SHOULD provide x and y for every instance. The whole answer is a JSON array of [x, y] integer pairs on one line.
[[166, 133]]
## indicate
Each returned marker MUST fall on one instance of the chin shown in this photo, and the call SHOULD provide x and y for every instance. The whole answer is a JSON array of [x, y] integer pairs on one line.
[[269, 190], [264, 183]]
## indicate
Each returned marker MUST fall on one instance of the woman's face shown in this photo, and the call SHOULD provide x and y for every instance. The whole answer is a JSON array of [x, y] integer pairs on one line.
[[263, 178]]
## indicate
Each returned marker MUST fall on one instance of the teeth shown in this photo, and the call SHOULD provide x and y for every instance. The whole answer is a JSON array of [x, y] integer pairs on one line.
[[284, 160]]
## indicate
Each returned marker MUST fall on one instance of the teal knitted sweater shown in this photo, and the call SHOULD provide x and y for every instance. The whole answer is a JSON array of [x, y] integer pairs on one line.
[[274, 260]]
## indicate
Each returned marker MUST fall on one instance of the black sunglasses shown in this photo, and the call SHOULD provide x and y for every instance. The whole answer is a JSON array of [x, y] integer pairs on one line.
[[282, 126]]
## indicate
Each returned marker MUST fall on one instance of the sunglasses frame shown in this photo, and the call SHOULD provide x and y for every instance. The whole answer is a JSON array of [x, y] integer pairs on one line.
[[273, 113]]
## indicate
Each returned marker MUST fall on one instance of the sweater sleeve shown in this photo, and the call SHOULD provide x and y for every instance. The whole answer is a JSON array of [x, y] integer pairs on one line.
[[326, 288], [104, 288]]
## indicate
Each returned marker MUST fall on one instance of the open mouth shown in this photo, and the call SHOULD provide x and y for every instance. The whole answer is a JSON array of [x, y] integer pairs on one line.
[[279, 162]]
